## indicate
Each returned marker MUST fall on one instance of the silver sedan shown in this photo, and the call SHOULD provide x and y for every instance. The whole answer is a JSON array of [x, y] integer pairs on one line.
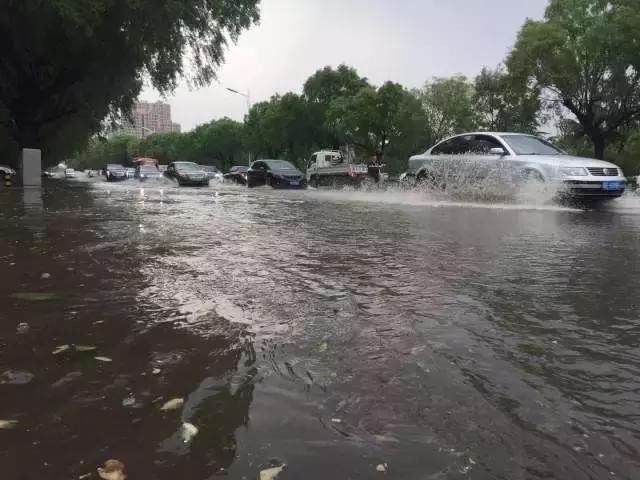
[[515, 157]]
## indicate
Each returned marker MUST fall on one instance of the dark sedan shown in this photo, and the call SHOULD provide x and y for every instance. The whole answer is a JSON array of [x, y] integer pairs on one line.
[[276, 174], [115, 172], [147, 172], [237, 174], [187, 174]]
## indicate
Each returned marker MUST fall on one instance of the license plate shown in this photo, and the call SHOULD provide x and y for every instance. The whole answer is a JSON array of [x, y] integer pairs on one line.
[[611, 186], [294, 182]]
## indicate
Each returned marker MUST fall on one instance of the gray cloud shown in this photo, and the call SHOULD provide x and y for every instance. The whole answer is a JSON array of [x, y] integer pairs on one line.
[[407, 41]]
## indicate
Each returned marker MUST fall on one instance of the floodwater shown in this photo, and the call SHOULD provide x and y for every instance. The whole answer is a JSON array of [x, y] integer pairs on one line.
[[340, 333]]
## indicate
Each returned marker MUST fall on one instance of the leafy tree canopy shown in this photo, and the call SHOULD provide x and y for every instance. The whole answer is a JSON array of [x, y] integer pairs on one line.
[[66, 65], [374, 119], [328, 84], [585, 55], [449, 106], [500, 107]]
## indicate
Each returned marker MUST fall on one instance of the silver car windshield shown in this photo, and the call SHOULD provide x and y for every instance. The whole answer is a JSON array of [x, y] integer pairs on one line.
[[527, 145]]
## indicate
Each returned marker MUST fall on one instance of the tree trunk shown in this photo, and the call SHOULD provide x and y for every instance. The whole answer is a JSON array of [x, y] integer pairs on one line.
[[599, 145]]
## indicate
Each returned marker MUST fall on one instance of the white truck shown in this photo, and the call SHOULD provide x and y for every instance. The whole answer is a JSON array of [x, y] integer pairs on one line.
[[333, 167]]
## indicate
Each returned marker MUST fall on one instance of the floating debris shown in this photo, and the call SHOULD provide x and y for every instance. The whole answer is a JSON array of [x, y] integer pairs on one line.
[[271, 473], [189, 430], [11, 377], [382, 467], [86, 475], [103, 359], [8, 424], [323, 347], [61, 349], [130, 401], [112, 470], [23, 328], [156, 371], [33, 296], [45, 276], [84, 348], [336, 420], [173, 404]]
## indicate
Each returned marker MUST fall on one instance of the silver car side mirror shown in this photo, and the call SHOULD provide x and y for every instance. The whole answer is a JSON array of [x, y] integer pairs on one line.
[[497, 151]]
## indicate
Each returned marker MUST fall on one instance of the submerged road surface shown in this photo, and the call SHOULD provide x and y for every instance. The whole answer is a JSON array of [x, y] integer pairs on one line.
[[348, 335]]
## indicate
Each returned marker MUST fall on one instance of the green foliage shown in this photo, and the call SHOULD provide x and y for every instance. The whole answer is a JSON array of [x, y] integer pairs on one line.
[[286, 127], [585, 54], [328, 84], [219, 143], [449, 106], [500, 107], [67, 65], [374, 119]]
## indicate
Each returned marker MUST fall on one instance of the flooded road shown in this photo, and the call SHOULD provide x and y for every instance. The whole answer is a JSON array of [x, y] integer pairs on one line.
[[339, 333]]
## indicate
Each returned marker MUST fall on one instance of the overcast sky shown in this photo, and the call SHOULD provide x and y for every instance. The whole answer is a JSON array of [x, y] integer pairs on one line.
[[407, 41]]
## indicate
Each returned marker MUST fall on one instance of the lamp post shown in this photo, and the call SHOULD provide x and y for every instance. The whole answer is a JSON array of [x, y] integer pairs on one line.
[[247, 97]]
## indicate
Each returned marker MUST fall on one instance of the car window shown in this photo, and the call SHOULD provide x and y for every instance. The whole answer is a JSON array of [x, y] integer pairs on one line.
[[453, 146], [528, 145], [481, 144]]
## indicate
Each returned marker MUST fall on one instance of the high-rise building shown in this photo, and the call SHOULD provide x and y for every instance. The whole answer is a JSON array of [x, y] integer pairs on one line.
[[148, 118]]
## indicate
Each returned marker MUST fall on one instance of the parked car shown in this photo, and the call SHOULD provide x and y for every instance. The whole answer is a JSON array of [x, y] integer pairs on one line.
[[212, 172], [237, 174], [147, 172], [276, 174], [514, 157], [115, 172], [70, 173], [187, 173]]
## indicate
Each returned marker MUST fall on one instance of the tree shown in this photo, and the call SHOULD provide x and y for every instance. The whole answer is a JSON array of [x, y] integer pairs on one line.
[[219, 143], [328, 84], [448, 104], [287, 126], [500, 107], [373, 119], [585, 55], [66, 65]]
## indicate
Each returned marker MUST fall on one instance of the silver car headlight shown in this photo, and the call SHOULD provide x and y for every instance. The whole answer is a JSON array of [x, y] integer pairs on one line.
[[574, 171]]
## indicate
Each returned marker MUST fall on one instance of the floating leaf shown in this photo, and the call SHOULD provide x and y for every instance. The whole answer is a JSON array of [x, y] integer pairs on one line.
[[189, 430], [173, 404], [61, 349], [7, 424], [34, 296], [382, 468], [156, 371], [323, 347], [271, 473], [103, 359], [112, 470], [85, 348]]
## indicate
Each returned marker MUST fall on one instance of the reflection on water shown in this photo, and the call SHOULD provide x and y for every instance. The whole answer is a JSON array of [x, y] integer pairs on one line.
[[328, 330]]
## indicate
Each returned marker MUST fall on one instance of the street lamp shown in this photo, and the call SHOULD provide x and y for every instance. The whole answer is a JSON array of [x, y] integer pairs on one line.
[[247, 97], [147, 129]]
